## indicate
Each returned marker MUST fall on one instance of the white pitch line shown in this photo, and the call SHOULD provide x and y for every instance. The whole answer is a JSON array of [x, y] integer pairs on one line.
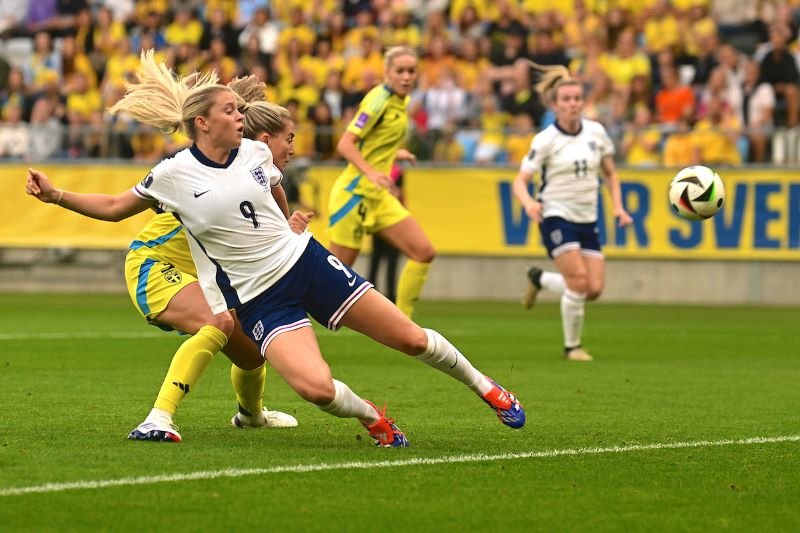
[[421, 461], [81, 335]]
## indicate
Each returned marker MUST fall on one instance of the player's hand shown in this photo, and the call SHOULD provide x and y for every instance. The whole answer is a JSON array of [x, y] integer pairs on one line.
[[404, 155], [383, 181], [534, 212], [299, 221], [39, 186], [623, 218]]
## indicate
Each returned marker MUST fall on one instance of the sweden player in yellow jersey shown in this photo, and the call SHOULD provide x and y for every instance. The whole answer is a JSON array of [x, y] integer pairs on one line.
[[362, 199]]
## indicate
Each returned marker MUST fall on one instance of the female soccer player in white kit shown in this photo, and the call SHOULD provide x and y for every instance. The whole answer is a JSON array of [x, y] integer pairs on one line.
[[568, 156], [249, 259]]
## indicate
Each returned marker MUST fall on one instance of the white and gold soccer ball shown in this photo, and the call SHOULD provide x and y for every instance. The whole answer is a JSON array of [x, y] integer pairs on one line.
[[696, 193]]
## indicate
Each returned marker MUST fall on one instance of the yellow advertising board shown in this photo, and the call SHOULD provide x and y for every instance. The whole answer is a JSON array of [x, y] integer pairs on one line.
[[472, 211], [464, 211], [28, 223]]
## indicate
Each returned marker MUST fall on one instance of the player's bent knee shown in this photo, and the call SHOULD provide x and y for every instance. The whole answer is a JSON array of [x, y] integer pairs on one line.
[[579, 284], [413, 341], [424, 255], [593, 294], [319, 393], [223, 322]]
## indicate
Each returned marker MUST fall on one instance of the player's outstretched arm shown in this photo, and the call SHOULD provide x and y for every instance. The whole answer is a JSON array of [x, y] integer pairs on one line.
[[100, 206]]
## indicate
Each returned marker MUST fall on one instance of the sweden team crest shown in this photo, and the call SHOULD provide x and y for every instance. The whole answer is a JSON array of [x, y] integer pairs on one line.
[[259, 175]]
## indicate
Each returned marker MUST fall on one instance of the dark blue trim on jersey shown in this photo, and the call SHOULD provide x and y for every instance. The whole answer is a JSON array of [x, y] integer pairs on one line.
[[223, 281], [201, 157], [544, 179], [565, 132], [135, 245], [141, 285]]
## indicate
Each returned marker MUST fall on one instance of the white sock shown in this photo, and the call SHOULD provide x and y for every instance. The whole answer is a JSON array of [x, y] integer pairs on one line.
[[572, 311], [552, 281], [347, 404], [444, 357], [157, 415]]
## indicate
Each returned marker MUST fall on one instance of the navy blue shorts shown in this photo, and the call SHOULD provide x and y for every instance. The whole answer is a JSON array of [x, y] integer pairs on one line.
[[319, 284], [559, 236]]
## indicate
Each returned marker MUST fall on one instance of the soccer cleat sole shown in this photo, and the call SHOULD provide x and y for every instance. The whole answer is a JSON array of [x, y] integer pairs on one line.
[[155, 435]]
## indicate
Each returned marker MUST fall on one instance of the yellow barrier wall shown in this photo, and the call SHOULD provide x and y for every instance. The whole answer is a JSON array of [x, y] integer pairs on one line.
[[28, 223], [464, 211], [472, 212]]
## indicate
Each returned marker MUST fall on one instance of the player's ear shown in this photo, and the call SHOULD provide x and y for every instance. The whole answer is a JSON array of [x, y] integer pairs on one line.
[[264, 138], [201, 123]]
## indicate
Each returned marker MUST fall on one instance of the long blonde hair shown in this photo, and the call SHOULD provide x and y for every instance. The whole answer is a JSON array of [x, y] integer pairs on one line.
[[160, 99], [552, 78]]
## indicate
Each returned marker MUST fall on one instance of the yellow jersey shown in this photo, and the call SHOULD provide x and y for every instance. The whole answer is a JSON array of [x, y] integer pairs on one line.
[[164, 239], [380, 123]]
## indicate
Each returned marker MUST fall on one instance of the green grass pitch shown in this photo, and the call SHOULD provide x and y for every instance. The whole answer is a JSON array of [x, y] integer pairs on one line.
[[677, 390]]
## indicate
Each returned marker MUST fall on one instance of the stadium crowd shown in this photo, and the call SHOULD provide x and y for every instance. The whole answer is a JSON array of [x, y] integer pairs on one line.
[[675, 82]]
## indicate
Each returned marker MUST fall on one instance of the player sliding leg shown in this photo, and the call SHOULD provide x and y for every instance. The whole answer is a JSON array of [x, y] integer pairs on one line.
[[375, 316], [296, 356]]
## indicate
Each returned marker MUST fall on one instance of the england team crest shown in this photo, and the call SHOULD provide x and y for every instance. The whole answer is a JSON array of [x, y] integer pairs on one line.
[[259, 175]]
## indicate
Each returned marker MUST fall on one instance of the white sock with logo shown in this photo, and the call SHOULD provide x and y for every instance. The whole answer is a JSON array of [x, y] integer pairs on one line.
[[347, 404], [445, 357], [572, 312]]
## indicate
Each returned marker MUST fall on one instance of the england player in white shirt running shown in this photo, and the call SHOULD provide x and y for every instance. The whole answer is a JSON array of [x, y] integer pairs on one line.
[[568, 156], [248, 258]]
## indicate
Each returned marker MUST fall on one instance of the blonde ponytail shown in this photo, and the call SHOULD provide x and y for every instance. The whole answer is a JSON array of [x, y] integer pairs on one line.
[[552, 77], [160, 99], [248, 90]]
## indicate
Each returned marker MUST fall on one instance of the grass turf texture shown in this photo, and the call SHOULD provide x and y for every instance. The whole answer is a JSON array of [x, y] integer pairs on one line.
[[662, 374]]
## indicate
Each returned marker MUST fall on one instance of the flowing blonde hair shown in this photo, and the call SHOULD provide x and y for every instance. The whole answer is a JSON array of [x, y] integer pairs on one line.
[[165, 101], [552, 78]]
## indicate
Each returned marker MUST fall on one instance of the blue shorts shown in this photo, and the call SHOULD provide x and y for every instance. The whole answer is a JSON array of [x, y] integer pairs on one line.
[[319, 284], [559, 236]]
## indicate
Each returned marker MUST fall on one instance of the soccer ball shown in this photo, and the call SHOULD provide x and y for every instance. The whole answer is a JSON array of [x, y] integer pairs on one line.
[[696, 193]]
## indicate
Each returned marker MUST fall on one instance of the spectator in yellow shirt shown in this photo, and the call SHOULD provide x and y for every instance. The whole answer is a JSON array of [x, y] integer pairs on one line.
[[626, 62], [217, 60], [679, 147], [642, 140], [447, 149], [717, 135], [297, 29], [185, 29], [519, 138], [470, 65], [370, 59], [73, 60], [400, 30], [493, 131], [83, 103], [106, 31], [661, 29], [435, 61]]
